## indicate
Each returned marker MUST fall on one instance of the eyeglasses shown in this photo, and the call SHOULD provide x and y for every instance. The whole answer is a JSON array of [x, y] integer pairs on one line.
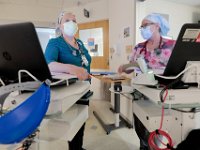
[[145, 25]]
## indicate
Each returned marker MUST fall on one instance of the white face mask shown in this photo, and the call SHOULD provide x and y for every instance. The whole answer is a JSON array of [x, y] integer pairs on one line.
[[70, 28]]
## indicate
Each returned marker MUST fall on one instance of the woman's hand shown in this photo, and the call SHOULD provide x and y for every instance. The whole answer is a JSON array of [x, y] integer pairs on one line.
[[80, 72], [120, 69], [127, 68]]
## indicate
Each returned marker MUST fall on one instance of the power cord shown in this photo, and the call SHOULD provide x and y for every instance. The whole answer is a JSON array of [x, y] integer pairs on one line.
[[157, 134], [192, 110], [27, 143], [181, 73], [169, 86]]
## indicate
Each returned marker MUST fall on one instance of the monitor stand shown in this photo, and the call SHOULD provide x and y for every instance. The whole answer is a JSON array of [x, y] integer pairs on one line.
[[192, 73]]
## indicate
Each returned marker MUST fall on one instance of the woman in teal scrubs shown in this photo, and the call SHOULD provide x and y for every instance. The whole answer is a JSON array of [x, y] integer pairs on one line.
[[67, 54]]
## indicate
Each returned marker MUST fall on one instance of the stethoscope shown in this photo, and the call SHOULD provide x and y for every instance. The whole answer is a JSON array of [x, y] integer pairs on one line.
[[144, 49]]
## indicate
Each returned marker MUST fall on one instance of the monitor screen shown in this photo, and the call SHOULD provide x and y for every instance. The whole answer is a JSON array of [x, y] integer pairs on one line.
[[187, 48], [20, 49]]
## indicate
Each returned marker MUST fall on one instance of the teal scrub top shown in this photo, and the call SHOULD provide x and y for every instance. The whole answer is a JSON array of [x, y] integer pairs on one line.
[[58, 50]]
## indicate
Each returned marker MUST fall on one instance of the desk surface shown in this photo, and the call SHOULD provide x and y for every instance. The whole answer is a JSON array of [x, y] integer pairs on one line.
[[109, 80], [178, 96], [62, 98]]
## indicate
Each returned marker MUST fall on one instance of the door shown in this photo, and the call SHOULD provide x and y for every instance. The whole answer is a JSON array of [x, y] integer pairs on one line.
[[95, 36]]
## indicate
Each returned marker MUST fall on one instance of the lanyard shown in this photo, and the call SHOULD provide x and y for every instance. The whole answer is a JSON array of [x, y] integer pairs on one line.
[[84, 61]]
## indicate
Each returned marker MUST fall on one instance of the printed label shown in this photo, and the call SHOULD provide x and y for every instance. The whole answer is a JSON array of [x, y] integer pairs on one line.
[[191, 35]]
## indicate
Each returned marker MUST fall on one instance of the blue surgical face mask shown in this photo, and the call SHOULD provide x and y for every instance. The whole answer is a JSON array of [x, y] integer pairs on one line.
[[146, 33]]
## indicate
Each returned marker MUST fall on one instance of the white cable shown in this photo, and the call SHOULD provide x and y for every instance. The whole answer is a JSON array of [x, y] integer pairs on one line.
[[21, 71], [175, 77], [2, 82], [19, 77]]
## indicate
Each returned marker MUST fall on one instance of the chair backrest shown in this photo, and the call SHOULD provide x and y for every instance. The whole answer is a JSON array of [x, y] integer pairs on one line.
[[25, 118]]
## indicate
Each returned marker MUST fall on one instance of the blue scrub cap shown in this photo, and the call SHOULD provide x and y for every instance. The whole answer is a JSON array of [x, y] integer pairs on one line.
[[163, 23]]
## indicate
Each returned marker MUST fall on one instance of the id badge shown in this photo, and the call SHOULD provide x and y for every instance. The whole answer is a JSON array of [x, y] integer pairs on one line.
[[84, 60], [74, 53]]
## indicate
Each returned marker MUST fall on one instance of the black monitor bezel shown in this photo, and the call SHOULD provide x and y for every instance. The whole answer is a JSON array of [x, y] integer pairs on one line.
[[183, 51], [20, 49]]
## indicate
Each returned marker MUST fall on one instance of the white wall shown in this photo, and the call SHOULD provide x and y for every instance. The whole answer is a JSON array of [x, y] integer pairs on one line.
[[178, 14], [121, 15]]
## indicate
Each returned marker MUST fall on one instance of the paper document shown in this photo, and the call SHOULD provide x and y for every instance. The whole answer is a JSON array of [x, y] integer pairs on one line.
[[115, 77], [102, 73], [63, 76]]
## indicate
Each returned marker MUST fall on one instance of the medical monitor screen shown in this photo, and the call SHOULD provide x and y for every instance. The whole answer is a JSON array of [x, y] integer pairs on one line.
[[20, 49], [187, 48]]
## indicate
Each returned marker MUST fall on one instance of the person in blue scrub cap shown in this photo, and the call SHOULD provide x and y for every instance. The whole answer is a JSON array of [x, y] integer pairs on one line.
[[154, 19], [155, 50]]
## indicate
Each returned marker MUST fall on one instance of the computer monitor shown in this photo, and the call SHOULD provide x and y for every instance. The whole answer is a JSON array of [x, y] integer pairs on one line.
[[187, 48], [20, 49]]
